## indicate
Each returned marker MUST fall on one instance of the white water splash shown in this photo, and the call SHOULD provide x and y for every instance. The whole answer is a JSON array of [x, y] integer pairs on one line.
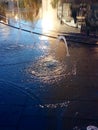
[[90, 127], [64, 39], [56, 105]]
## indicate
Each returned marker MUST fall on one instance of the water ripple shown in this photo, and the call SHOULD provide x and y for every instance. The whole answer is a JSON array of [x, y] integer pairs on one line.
[[56, 105], [49, 70]]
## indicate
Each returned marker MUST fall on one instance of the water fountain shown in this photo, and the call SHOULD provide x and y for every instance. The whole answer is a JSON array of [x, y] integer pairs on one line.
[[64, 40], [53, 81]]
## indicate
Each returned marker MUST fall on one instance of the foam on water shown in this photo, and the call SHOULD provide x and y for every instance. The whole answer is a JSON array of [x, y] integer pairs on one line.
[[90, 127], [49, 70]]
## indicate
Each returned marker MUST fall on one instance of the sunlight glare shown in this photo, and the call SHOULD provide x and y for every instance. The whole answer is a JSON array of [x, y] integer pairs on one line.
[[47, 22], [16, 17]]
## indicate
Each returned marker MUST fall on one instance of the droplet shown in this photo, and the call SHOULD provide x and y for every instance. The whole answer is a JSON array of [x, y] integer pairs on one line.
[[90, 127]]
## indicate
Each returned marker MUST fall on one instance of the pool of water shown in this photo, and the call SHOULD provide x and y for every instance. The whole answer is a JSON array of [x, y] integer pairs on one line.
[[40, 66]]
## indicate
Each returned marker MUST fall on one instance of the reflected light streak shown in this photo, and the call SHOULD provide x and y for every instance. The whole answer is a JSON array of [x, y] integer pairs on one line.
[[48, 12], [16, 17], [47, 22], [2, 21], [44, 47], [43, 38], [43, 41]]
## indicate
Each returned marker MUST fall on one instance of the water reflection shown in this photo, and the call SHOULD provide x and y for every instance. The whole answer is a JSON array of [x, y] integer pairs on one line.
[[31, 15], [51, 69], [56, 105], [2, 14], [55, 65], [20, 10]]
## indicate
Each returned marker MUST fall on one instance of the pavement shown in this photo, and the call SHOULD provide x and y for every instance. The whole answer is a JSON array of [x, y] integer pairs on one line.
[[26, 103]]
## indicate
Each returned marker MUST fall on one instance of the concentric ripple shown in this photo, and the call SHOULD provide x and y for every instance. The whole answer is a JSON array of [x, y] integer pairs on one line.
[[48, 69]]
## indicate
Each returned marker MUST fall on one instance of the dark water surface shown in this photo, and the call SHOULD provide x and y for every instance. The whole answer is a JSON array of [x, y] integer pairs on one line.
[[67, 85]]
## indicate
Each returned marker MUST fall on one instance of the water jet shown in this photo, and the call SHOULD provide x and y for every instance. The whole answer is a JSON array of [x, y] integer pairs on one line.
[[62, 38]]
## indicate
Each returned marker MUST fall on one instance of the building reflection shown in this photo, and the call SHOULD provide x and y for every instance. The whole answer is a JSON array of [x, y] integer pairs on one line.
[[75, 12], [72, 12]]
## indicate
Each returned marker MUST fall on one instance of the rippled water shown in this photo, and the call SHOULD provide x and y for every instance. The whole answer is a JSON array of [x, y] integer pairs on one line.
[[44, 70], [50, 70]]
